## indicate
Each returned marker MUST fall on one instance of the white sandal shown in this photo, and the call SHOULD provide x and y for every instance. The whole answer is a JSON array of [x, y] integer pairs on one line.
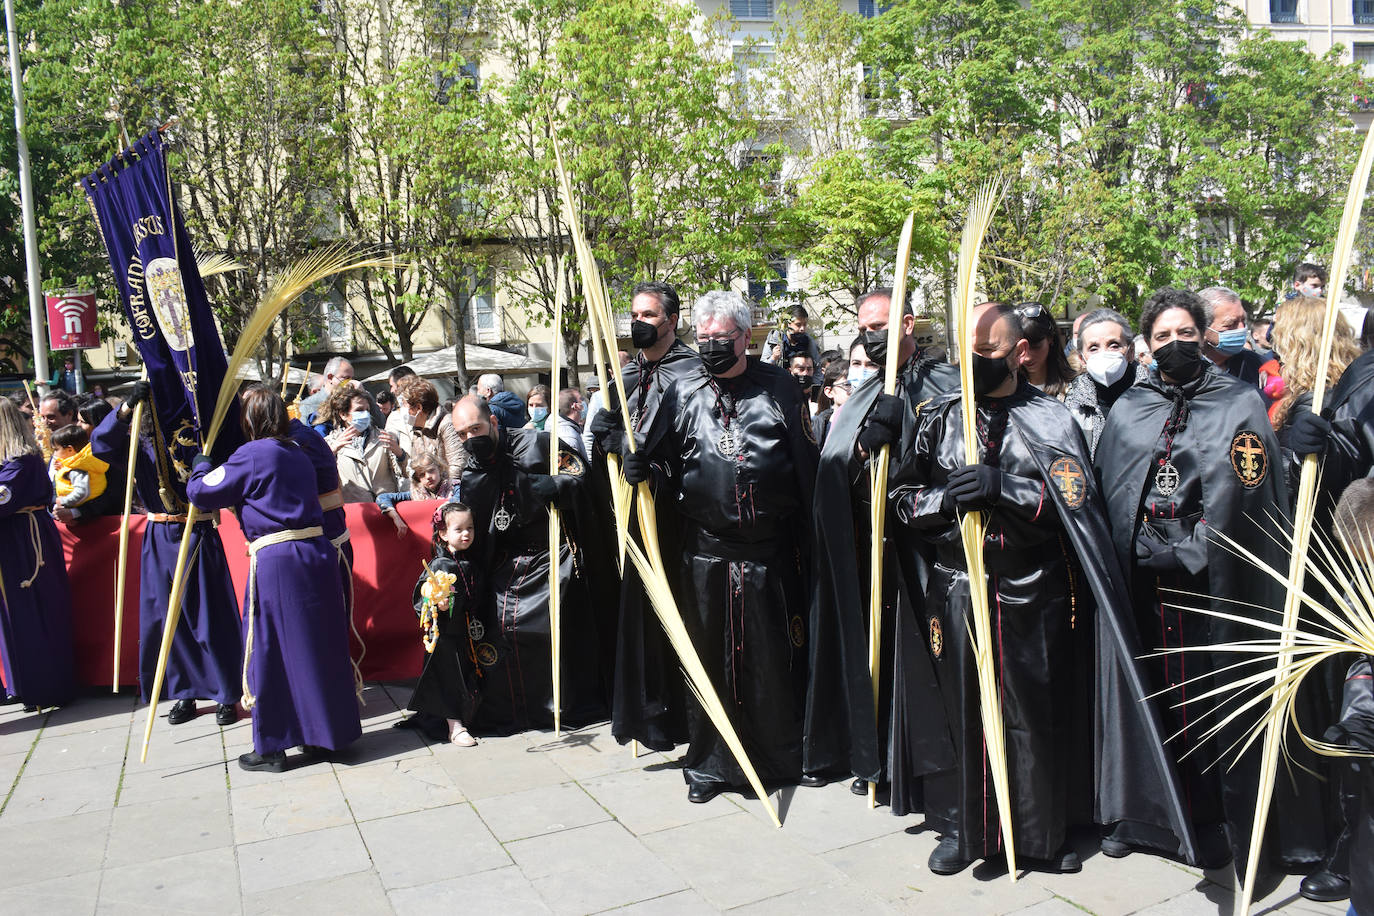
[[458, 734]]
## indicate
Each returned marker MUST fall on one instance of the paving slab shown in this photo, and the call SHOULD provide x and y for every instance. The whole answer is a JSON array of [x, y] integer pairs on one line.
[[590, 752], [570, 869], [429, 846], [143, 783], [829, 817], [94, 713], [499, 766], [825, 899], [682, 903], [204, 883], [359, 894], [72, 895], [77, 750], [499, 890], [283, 807], [397, 787], [737, 859], [534, 812], [163, 829], [646, 801], [1115, 887], [56, 795], [301, 857], [53, 848]]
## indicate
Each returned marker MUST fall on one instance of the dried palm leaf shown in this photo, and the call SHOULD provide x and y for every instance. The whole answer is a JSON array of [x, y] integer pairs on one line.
[[1306, 502], [305, 273], [555, 521], [878, 475], [971, 527], [648, 561], [209, 265]]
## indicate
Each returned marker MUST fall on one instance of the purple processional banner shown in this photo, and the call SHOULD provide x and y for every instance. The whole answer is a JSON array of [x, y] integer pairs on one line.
[[164, 301]]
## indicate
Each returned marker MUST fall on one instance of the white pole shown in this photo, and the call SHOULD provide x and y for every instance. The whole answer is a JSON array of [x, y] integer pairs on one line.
[[36, 310]]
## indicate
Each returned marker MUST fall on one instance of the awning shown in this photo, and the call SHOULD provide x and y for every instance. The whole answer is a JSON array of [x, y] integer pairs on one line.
[[479, 359]]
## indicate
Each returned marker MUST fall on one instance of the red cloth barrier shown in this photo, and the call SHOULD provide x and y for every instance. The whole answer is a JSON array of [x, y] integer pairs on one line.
[[385, 568]]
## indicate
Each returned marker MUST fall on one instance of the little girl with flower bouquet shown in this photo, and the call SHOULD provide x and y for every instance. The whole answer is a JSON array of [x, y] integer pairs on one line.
[[445, 599]]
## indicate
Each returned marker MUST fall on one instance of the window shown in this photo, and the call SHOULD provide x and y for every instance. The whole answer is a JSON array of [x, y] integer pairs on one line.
[[767, 163], [764, 287], [1364, 56], [478, 303], [1283, 10], [1213, 238], [870, 8], [751, 9], [1363, 11]]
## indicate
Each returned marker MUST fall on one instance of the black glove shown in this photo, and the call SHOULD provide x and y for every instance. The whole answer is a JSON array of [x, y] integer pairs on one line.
[[201, 460], [974, 487], [1308, 433], [544, 487], [140, 394], [1154, 554], [636, 467], [608, 431], [883, 426]]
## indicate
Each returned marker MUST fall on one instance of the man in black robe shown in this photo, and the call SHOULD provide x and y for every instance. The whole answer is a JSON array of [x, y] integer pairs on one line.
[[509, 489], [648, 696], [1187, 452], [844, 734], [1044, 541], [733, 446]]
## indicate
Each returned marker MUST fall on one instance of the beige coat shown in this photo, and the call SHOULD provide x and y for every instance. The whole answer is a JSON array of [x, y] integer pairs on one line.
[[439, 439], [366, 473]]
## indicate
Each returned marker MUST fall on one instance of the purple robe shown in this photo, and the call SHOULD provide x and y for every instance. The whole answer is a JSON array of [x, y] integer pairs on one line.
[[35, 621], [207, 650], [299, 667], [327, 481]]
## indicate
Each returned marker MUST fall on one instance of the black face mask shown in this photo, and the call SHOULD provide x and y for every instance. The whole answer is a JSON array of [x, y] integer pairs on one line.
[[988, 374], [643, 334], [803, 380], [875, 345], [718, 356], [1181, 360], [481, 448]]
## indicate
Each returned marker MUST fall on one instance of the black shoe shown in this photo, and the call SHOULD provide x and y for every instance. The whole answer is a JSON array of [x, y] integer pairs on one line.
[[945, 860], [699, 793], [30, 708], [813, 781], [274, 762], [1115, 849], [1065, 863], [7, 700], [859, 787], [182, 711], [226, 714], [406, 722], [1325, 887]]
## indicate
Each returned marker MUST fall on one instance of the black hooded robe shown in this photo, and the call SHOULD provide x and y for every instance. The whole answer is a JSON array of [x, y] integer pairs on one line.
[[843, 734], [449, 686], [514, 646], [1044, 542], [740, 457], [648, 697], [1228, 471]]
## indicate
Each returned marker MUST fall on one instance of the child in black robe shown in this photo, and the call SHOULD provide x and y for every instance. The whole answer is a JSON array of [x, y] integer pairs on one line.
[[445, 598]]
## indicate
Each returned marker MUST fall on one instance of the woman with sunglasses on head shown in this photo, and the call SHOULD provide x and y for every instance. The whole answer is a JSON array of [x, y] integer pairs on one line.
[[842, 376], [1105, 348], [1046, 366]]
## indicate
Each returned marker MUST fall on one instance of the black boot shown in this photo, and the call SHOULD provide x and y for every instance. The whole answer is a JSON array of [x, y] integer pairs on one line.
[[182, 711]]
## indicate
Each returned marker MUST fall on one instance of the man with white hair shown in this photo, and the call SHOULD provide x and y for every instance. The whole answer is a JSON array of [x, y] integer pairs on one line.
[[338, 371], [1228, 328], [505, 405], [732, 445]]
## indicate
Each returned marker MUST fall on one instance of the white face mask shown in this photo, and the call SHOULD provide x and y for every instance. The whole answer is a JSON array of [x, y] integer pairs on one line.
[[1106, 367], [858, 375]]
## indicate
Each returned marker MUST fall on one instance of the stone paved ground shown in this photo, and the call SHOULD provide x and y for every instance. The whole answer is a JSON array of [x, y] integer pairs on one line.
[[531, 823]]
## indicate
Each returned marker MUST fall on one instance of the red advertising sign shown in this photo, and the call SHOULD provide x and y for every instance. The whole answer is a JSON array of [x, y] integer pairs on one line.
[[71, 321]]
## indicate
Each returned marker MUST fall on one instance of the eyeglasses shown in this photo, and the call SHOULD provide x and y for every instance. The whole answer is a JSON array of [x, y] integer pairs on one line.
[[1028, 310], [720, 338]]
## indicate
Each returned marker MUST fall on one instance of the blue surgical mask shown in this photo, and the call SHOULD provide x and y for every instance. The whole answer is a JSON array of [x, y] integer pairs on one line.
[[539, 414], [362, 420], [1231, 342], [858, 375]]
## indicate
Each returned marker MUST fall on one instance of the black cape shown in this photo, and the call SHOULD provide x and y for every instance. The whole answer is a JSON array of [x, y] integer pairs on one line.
[[450, 683], [841, 732], [1133, 777], [1241, 493]]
